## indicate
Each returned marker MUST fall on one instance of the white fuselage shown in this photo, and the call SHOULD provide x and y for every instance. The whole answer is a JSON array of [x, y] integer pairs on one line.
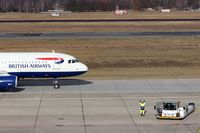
[[40, 64]]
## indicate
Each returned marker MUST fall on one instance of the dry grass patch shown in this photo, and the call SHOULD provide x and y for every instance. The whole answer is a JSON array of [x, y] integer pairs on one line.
[[99, 27], [143, 72], [131, 57], [102, 15]]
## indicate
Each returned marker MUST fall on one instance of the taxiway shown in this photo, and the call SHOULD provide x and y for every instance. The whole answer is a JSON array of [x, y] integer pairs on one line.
[[96, 106], [64, 35]]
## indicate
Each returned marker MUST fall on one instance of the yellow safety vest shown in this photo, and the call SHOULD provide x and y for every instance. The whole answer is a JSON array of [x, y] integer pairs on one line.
[[142, 105]]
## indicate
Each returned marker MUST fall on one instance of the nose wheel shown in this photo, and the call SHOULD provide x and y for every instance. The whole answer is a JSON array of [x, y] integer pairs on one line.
[[56, 83]]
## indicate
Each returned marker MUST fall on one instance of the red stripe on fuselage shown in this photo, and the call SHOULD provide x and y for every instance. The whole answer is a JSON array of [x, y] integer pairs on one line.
[[51, 58]]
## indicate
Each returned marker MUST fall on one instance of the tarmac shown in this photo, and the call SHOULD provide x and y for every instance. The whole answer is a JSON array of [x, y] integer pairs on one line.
[[99, 20], [96, 106], [68, 35]]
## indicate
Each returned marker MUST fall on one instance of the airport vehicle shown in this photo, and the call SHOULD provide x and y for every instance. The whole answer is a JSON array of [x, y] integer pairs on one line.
[[15, 65], [172, 110], [120, 12]]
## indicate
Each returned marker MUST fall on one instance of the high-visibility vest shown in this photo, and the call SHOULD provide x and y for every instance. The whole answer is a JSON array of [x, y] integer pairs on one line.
[[142, 105]]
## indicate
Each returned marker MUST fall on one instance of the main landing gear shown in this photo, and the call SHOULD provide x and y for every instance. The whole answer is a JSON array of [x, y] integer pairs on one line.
[[56, 83]]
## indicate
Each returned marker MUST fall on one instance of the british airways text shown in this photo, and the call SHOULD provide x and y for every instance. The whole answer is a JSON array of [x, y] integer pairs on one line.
[[29, 66]]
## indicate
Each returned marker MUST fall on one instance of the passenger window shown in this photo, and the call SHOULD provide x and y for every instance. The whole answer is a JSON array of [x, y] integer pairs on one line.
[[69, 61], [73, 61]]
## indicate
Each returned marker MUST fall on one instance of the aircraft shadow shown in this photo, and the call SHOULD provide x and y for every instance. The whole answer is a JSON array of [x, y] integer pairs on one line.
[[18, 89], [48, 82]]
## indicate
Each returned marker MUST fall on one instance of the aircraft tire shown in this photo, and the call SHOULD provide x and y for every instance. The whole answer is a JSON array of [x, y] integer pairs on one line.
[[56, 86]]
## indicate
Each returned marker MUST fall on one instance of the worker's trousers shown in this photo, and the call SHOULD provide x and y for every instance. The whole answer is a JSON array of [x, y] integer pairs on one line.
[[142, 112]]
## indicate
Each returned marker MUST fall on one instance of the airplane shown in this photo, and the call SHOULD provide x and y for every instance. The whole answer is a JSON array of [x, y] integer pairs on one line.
[[17, 65]]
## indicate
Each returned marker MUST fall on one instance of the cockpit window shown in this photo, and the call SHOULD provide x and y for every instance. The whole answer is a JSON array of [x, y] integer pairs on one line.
[[72, 61]]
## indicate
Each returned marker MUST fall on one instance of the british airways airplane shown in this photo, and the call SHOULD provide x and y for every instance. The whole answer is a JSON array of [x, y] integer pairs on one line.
[[15, 65]]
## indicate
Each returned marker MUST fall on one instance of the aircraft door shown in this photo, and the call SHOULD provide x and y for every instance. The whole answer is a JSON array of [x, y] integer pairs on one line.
[[56, 65], [57, 62]]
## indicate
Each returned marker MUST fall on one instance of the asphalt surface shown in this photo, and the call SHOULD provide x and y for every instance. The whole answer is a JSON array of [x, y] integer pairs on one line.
[[64, 35], [96, 106]]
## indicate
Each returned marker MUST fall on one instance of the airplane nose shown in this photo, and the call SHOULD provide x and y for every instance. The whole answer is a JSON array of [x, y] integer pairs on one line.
[[84, 68]]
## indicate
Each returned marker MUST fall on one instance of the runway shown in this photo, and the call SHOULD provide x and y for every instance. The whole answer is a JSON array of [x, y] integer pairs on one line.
[[68, 35], [98, 20], [96, 106]]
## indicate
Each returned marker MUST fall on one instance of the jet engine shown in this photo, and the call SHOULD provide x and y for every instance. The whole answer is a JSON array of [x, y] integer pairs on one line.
[[8, 81]]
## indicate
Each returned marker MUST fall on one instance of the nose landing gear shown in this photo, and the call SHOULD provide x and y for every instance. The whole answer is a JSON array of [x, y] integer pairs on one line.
[[56, 83]]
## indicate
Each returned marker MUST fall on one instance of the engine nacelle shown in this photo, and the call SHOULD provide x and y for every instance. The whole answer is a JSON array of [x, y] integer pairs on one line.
[[8, 81]]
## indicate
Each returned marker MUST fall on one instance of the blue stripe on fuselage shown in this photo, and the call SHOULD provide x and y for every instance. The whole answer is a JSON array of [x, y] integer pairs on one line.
[[46, 74]]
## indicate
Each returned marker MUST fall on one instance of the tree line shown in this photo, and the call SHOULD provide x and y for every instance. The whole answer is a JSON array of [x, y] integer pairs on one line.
[[93, 5]]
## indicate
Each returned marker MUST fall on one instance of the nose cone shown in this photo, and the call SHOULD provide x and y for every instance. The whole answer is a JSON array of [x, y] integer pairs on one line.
[[84, 68]]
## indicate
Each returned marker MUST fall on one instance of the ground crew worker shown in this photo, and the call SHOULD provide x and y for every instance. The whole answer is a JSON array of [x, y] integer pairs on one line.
[[142, 108]]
